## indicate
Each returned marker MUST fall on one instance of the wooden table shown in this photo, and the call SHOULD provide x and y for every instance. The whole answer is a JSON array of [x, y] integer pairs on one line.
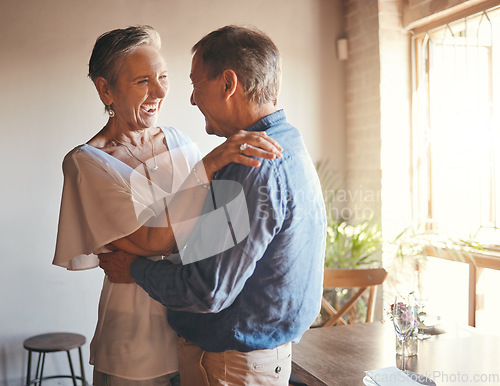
[[340, 355]]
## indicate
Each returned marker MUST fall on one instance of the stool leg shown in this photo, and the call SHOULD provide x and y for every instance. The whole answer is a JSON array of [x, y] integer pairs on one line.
[[38, 363], [41, 370], [28, 373], [71, 368], [82, 370]]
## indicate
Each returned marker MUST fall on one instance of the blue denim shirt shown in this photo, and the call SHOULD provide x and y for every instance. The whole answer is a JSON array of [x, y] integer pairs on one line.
[[266, 290]]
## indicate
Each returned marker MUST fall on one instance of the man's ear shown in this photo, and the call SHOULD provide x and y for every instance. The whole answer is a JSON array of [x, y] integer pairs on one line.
[[230, 83], [104, 89]]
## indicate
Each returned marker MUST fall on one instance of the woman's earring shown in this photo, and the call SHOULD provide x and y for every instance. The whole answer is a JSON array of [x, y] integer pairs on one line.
[[111, 112]]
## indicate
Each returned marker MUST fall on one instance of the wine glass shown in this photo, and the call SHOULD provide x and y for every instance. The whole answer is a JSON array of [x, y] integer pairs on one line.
[[404, 317]]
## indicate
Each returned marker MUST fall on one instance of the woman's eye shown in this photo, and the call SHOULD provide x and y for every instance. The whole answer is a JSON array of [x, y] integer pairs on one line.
[[164, 76], [142, 81]]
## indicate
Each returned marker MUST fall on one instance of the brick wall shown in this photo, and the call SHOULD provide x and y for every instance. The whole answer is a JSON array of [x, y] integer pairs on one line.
[[377, 113], [363, 173], [378, 116], [395, 91]]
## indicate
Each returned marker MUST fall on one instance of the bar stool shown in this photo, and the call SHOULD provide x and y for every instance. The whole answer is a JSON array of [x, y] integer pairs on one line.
[[54, 342]]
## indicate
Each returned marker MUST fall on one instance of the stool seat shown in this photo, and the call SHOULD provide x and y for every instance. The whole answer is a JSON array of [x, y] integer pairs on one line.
[[54, 342]]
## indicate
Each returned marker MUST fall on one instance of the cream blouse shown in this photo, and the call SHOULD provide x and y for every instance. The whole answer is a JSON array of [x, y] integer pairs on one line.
[[103, 200]]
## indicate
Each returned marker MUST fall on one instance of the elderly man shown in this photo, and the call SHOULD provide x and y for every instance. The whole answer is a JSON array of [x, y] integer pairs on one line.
[[238, 311]]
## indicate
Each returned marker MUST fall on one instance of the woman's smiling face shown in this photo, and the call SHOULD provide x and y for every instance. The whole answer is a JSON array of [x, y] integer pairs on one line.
[[140, 88]]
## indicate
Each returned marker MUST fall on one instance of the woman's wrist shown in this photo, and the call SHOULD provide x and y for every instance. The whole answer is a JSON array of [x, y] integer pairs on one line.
[[199, 176], [209, 165]]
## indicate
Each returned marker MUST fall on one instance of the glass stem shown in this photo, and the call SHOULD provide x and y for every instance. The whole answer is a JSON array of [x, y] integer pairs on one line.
[[403, 355]]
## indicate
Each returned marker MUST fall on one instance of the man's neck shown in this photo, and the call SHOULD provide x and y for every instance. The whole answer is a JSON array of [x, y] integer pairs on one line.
[[251, 114]]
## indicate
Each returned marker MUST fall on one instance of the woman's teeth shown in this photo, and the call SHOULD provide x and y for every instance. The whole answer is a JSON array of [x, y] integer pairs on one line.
[[149, 108]]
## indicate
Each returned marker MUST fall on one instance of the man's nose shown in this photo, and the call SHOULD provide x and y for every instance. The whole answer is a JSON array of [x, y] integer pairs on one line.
[[191, 99]]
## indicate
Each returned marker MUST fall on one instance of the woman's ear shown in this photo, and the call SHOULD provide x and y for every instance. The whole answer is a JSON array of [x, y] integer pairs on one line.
[[230, 83], [104, 89]]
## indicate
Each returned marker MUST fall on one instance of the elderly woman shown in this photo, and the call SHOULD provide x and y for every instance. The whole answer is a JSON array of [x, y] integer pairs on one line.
[[117, 188]]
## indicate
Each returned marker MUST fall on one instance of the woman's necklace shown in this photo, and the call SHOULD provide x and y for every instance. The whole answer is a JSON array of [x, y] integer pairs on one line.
[[129, 152]]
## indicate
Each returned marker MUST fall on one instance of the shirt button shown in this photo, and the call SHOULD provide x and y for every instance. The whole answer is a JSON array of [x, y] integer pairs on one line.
[[277, 370]]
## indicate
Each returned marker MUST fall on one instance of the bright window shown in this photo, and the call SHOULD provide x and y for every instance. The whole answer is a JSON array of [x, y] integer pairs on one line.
[[456, 127], [456, 154]]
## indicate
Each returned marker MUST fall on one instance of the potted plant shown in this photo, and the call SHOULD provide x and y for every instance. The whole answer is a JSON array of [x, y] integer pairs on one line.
[[348, 246]]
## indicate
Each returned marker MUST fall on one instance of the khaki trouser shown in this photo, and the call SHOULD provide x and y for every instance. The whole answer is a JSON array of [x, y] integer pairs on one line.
[[260, 367], [101, 379]]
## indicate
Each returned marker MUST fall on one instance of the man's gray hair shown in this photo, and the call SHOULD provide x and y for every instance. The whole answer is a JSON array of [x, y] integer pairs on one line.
[[250, 53]]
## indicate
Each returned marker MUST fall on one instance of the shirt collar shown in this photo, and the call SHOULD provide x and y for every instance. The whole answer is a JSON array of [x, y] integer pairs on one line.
[[268, 121]]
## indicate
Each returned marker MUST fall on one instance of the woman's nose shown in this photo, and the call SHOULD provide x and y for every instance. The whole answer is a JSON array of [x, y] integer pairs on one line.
[[159, 90], [192, 99]]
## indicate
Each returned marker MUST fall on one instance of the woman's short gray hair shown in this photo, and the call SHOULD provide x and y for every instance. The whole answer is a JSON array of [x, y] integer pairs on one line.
[[250, 53], [111, 47]]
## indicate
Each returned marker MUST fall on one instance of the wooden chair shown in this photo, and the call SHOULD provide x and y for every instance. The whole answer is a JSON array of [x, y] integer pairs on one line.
[[363, 279]]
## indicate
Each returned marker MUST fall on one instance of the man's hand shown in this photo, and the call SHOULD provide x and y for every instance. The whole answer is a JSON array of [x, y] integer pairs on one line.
[[116, 266]]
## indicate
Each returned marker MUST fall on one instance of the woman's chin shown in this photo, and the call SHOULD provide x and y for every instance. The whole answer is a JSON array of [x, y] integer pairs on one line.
[[148, 122]]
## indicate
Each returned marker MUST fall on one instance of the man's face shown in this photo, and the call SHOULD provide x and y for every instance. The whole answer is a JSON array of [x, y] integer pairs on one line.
[[208, 96]]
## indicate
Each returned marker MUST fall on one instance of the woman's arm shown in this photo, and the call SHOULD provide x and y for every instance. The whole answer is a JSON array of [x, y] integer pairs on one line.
[[188, 202]]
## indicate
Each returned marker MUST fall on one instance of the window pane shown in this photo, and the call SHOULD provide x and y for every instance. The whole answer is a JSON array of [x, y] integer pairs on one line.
[[458, 175]]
